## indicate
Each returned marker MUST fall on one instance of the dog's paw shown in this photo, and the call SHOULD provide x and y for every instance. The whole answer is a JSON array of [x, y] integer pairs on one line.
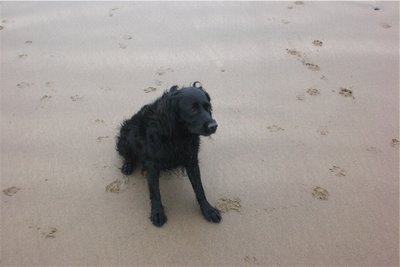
[[211, 214], [158, 217], [127, 168]]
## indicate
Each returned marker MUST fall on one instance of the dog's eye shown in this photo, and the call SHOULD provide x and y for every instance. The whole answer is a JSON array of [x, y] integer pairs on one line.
[[195, 108], [207, 107]]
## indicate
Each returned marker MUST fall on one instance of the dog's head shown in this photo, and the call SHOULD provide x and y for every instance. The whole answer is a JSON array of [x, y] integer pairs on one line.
[[195, 110]]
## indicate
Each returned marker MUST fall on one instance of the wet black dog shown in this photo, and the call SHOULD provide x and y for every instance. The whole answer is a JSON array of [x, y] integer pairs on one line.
[[164, 135]]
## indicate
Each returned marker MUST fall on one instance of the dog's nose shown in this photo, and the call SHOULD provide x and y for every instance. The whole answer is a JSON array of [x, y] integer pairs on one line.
[[212, 127]]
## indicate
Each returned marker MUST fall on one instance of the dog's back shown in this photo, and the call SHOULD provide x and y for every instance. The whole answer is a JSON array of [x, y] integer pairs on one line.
[[154, 133]]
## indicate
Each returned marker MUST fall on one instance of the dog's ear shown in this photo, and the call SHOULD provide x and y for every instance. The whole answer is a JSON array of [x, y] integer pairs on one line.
[[172, 114], [173, 88], [173, 100], [208, 96], [197, 84]]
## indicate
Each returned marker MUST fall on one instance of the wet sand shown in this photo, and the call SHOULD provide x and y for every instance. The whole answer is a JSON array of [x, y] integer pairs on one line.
[[305, 163]]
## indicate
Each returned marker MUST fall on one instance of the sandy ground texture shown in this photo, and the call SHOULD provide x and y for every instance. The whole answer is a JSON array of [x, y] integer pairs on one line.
[[304, 163]]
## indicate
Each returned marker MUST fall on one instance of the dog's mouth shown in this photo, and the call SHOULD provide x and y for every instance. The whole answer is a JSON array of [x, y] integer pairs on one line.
[[209, 128], [206, 134]]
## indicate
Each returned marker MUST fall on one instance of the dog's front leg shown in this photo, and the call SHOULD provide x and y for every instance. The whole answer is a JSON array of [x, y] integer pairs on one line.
[[157, 210], [209, 212]]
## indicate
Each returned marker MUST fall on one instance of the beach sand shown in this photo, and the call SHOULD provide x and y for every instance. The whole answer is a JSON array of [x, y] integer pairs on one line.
[[305, 162]]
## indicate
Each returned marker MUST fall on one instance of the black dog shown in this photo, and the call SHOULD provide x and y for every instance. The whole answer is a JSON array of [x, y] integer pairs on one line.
[[164, 135]]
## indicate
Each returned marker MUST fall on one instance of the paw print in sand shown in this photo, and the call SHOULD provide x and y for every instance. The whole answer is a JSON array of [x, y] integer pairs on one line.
[[320, 193]]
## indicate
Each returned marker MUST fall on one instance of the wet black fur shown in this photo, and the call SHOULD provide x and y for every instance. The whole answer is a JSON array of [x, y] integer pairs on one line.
[[164, 135]]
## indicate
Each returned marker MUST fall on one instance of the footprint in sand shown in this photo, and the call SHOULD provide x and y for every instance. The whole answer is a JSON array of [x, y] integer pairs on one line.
[[310, 66], [270, 210], [313, 91], [317, 43], [48, 232], [225, 204], [24, 85], [127, 37], [395, 142], [122, 46], [45, 98], [373, 150], [158, 82], [11, 191], [320, 193], [111, 11], [282, 208], [75, 98], [386, 26], [100, 139], [274, 128], [105, 88], [114, 187], [117, 186], [149, 89], [293, 52], [338, 171], [346, 92], [284, 21], [49, 84], [303, 59], [298, 3], [323, 130], [162, 71], [250, 259]]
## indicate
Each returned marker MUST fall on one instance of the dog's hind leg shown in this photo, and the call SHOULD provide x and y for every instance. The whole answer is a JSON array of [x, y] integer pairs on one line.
[[125, 150], [128, 167], [129, 158]]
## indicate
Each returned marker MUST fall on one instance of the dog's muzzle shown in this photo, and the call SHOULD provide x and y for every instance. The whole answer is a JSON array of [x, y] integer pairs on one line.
[[211, 127]]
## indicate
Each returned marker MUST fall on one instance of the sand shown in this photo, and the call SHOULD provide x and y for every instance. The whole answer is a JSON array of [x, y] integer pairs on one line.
[[306, 95]]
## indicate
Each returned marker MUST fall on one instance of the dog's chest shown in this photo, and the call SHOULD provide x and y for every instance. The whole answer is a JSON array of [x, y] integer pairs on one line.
[[172, 153]]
